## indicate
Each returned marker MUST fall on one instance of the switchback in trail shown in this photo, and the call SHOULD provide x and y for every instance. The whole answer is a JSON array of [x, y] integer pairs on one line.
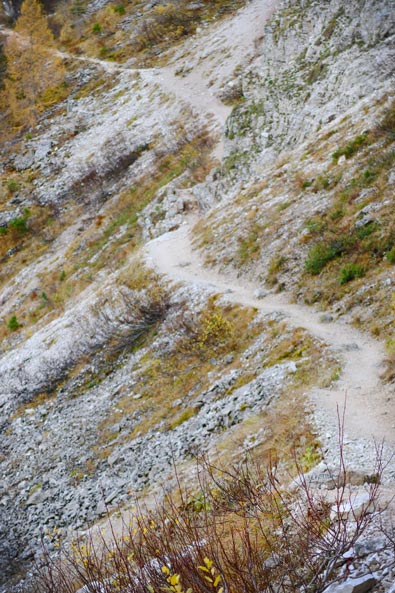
[[195, 88], [369, 412]]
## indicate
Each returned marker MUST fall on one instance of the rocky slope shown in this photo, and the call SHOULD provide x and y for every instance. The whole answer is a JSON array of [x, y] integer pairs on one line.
[[276, 126]]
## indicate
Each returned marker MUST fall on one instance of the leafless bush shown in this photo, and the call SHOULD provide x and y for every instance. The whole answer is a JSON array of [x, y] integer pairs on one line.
[[240, 531], [25, 382], [117, 156], [122, 320]]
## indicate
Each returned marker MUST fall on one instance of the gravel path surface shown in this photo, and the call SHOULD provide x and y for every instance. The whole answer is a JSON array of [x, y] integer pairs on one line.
[[369, 411]]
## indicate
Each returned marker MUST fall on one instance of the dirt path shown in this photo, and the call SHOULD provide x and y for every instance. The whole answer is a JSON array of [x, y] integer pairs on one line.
[[208, 60], [218, 51], [369, 412], [194, 92]]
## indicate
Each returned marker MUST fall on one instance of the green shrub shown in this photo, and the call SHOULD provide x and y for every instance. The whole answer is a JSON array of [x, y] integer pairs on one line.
[[321, 183], [350, 272], [96, 28], [19, 225], [350, 149], [366, 230], [119, 9], [336, 214], [250, 245], [390, 256], [325, 183], [315, 226], [322, 253], [368, 174], [105, 52], [12, 185], [13, 324]]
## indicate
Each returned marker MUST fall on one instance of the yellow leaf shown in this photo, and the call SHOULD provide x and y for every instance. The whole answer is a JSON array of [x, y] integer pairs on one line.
[[210, 580], [203, 568], [174, 579], [208, 562], [165, 570], [217, 580], [220, 590]]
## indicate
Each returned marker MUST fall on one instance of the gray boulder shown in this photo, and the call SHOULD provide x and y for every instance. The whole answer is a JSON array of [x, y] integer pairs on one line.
[[358, 585]]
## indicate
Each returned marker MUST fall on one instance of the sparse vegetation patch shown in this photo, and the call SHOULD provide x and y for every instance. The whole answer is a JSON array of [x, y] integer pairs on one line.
[[159, 28], [238, 529], [354, 146], [350, 272]]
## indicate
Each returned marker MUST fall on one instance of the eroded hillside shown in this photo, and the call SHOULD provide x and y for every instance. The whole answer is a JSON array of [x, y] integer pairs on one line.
[[203, 165]]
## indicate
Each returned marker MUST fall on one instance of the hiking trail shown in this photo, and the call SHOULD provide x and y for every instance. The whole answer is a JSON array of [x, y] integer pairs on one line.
[[369, 412]]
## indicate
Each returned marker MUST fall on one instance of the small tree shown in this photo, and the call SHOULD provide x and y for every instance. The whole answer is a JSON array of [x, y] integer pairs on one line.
[[33, 64]]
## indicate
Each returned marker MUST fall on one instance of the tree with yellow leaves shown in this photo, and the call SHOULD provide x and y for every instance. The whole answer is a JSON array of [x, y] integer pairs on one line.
[[33, 63]]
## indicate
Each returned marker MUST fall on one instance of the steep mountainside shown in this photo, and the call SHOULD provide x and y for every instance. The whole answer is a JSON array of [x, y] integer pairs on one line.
[[197, 249]]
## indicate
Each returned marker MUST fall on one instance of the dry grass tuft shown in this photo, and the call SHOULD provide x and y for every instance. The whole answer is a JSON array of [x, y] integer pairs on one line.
[[239, 530]]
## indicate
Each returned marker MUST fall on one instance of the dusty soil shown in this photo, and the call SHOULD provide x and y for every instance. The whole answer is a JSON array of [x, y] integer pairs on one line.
[[369, 410]]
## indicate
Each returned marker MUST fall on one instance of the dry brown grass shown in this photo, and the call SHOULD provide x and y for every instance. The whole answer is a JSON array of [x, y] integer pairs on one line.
[[389, 373], [335, 259], [168, 383], [283, 429], [58, 286], [187, 369], [38, 400], [161, 28], [237, 529]]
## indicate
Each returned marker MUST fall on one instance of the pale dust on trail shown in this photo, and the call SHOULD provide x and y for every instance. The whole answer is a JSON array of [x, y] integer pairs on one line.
[[235, 35], [369, 409], [211, 58], [225, 46], [208, 60]]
